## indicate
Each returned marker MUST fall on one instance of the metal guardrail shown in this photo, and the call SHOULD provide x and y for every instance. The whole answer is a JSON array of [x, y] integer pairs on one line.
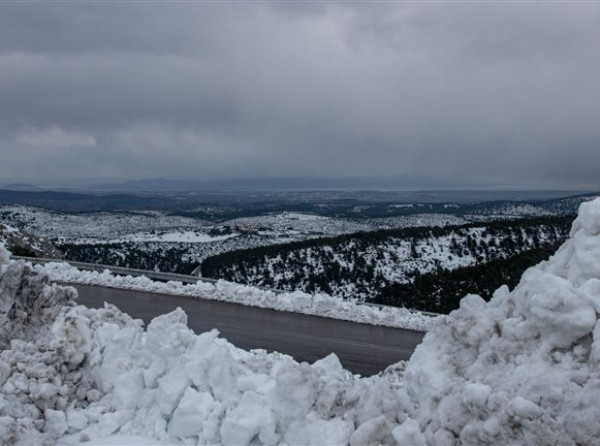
[[157, 275], [184, 278]]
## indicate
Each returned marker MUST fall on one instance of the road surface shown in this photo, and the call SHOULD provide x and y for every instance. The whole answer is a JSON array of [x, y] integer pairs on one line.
[[362, 348]]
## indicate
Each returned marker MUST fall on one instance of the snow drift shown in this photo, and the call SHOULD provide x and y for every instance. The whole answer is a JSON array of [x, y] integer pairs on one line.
[[521, 369]]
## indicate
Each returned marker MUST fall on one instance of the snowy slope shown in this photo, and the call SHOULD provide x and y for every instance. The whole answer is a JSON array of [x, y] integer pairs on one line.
[[25, 243], [521, 369], [95, 226], [361, 265]]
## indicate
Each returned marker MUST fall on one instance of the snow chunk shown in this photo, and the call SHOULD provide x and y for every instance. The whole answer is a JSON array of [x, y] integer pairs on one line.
[[4, 254], [56, 423], [373, 431], [522, 409], [409, 433]]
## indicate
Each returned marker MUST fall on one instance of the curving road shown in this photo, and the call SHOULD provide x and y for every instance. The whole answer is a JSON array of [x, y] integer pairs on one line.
[[362, 348]]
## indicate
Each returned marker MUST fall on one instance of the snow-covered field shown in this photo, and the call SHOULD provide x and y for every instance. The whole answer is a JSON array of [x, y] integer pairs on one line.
[[174, 236], [154, 226], [298, 223], [96, 226], [521, 369]]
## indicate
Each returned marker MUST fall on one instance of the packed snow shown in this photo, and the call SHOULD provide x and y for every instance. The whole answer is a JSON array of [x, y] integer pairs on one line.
[[298, 302], [521, 369]]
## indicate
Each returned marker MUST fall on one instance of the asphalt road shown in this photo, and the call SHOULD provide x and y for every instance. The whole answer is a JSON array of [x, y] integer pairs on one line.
[[362, 348]]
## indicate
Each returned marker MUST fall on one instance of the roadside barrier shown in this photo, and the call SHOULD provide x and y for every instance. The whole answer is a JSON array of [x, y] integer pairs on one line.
[[166, 277]]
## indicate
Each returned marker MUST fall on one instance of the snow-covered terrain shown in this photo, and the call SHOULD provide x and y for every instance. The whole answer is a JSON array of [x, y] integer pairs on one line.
[[70, 374], [295, 223], [420, 220], [25, 243], [94, 226], [521, 369], [104, 227], [154, 240], [359, 266]]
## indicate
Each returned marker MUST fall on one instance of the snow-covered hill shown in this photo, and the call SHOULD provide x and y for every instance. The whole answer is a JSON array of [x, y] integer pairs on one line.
[[23, 243], [99, 226], [361, 265], [521, 369]]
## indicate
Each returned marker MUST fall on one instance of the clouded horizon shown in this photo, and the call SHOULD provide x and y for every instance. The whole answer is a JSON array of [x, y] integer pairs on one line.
[[465, 93]]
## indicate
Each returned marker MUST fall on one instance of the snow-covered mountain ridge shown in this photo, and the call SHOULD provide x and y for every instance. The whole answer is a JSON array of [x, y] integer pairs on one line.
[[521, 369]]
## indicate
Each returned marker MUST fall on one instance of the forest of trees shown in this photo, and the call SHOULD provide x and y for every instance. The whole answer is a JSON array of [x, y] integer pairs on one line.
[[441, 291], [363, 264]]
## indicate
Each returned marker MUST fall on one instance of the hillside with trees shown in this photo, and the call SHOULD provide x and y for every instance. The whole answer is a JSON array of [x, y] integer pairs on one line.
[[364, 264], [441, 291]]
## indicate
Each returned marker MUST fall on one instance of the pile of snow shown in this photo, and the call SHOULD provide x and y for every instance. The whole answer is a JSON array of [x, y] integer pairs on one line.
[[298, 302], [91, 374], [523, 368]]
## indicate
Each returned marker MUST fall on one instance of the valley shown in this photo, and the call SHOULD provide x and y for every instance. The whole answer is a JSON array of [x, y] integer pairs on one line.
[[353, 246]]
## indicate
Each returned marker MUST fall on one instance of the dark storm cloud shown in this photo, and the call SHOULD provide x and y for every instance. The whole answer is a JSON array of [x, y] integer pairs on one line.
[[496, 92]]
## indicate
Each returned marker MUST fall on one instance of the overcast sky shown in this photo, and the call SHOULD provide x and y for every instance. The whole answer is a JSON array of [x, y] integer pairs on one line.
[[471, 92]]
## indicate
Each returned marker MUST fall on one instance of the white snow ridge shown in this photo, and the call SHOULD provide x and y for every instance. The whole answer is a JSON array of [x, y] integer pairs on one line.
[[521, 369]]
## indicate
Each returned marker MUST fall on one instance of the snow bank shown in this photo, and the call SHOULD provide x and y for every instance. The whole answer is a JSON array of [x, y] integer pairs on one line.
[[298, 302], [521, 369], [97, 375]]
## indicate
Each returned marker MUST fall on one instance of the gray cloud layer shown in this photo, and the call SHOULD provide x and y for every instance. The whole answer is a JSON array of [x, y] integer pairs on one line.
[[507, 93]]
